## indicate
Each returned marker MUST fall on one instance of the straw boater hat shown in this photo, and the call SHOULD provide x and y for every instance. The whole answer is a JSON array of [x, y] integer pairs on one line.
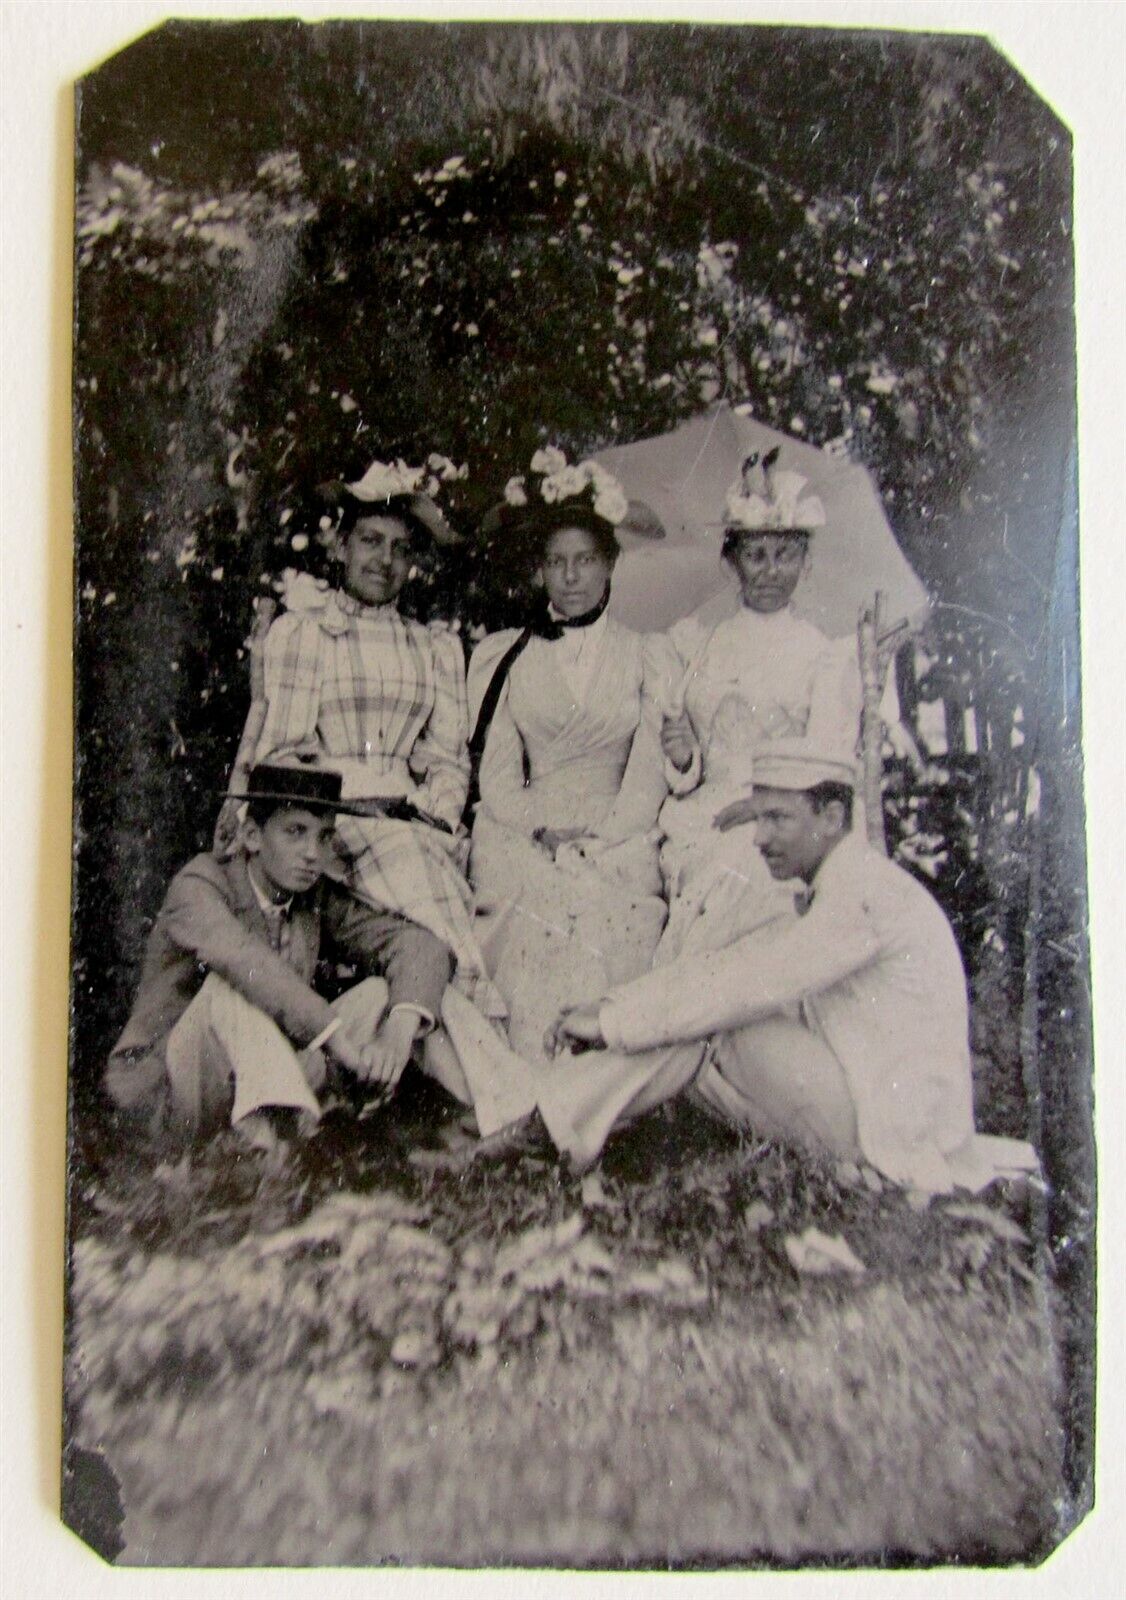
[[800, 764], [306, 788]]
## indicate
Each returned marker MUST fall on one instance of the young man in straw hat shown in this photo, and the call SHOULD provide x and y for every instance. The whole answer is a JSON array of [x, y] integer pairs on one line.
[[226, 1027], [845, 1030]]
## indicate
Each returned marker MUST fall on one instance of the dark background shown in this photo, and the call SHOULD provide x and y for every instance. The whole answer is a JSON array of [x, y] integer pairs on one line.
[[276, 283]]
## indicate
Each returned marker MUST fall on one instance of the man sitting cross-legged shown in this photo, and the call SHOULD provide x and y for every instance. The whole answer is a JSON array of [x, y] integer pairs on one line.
[[226, 1026], [845, 1029]]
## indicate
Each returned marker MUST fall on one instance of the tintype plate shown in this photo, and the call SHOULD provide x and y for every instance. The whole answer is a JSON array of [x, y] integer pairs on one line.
[[304, 250]]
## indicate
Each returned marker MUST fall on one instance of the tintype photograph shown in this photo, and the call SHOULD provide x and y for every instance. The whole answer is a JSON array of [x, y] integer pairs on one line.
[[580, 1038]]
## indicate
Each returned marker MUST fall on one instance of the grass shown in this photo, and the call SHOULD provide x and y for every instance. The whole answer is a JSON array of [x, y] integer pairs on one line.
[[357, 1357]]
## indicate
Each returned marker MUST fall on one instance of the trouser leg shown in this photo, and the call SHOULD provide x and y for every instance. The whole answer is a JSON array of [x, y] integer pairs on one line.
[[582, 1099], [483, 1071], [361, 1009], [226, 1058], [783, 1080]]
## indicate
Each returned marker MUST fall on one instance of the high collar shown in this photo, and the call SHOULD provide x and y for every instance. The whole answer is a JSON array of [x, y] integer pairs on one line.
[[552, 624], [766, 619], [352, 607]]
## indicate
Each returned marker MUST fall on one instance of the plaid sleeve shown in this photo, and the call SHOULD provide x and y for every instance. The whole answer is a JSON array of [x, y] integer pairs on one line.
[[292, 677], [441, 753]]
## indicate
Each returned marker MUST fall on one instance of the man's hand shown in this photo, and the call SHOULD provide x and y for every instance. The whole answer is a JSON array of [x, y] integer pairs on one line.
[[390, 1050], [734, 815], [577, 1028], [678, 741]]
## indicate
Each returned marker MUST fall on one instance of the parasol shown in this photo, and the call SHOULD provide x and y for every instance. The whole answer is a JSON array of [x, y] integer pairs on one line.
[[684, 476]]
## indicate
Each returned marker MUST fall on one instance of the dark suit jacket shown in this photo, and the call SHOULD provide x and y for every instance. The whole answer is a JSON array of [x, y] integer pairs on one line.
[[211, 922]]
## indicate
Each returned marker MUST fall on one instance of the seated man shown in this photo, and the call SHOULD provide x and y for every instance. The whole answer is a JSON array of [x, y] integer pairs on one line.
[[845, 1030], [226, 1024]]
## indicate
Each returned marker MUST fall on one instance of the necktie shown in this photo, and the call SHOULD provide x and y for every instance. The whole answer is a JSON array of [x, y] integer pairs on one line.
[[280, 930]]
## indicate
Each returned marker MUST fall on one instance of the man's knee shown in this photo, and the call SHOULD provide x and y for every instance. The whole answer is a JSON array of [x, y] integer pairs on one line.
[[792, 1077]]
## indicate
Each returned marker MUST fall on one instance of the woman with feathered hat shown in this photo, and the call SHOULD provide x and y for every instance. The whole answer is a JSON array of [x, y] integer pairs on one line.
[[759, 675]]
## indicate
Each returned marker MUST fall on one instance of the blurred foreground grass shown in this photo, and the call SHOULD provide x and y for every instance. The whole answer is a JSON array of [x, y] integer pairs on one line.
[[355, 1356]]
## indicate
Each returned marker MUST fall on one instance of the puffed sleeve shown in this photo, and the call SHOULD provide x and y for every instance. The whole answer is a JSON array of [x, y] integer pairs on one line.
[[440, 758], [644, 784], [292, 674]]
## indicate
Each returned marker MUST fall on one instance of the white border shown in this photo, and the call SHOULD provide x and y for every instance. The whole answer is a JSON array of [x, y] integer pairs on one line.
[[1073, 53]]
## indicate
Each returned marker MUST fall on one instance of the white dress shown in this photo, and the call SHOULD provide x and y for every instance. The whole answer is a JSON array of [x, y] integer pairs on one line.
[[574, 743], [752, 677]]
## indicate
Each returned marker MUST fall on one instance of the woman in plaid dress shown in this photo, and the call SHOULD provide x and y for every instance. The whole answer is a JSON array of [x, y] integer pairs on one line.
[[354, 685]]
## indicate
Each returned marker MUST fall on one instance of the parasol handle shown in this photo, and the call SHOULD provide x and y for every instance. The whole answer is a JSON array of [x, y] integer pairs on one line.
[[873, 670]]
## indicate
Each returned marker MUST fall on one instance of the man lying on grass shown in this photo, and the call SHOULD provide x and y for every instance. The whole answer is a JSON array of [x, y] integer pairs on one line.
[[845, 1029], [226, 1026]]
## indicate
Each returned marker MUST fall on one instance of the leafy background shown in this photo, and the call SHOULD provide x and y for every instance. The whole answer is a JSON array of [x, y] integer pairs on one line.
[[299, 248]]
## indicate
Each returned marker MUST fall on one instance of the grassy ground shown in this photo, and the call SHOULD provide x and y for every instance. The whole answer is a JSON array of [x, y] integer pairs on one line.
[[359, 1356]]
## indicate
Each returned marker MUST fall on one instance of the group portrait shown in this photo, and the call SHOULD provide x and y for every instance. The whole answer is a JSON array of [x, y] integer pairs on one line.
[[580, 1038]]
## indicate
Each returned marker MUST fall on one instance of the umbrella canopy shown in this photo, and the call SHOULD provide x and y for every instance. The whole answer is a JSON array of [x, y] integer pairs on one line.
[[685, 475]]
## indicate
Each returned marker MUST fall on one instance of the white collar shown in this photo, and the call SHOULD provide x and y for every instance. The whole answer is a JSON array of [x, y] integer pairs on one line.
[[843, 856], [267, 905], [593, 630]]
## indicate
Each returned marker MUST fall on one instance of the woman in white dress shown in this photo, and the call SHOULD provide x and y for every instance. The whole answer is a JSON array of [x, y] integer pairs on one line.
[[761, 674], [564, 855]]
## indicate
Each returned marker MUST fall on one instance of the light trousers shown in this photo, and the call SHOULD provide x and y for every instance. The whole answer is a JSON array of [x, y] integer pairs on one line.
[[775, 1076], [226, 1058]]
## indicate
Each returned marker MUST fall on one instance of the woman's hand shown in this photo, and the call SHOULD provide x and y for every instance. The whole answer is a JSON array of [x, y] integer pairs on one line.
[[678, 741], [734, 815], [577, 1028]]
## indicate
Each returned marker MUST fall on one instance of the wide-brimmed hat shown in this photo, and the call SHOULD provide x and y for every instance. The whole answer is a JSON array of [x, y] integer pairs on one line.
[[799, 764], [391, 487], [553, 494], [307, 788]]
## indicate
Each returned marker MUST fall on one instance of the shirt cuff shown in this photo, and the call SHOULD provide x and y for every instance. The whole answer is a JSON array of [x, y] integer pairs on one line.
[[325, 1034], [681, 783], [427, 1020]]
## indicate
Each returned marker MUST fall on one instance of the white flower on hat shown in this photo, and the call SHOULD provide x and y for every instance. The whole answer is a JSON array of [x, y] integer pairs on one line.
[[383, 479], [446, 469], [515, 493], [549, 460], [610, 503], [561, 481], [762, 499]]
